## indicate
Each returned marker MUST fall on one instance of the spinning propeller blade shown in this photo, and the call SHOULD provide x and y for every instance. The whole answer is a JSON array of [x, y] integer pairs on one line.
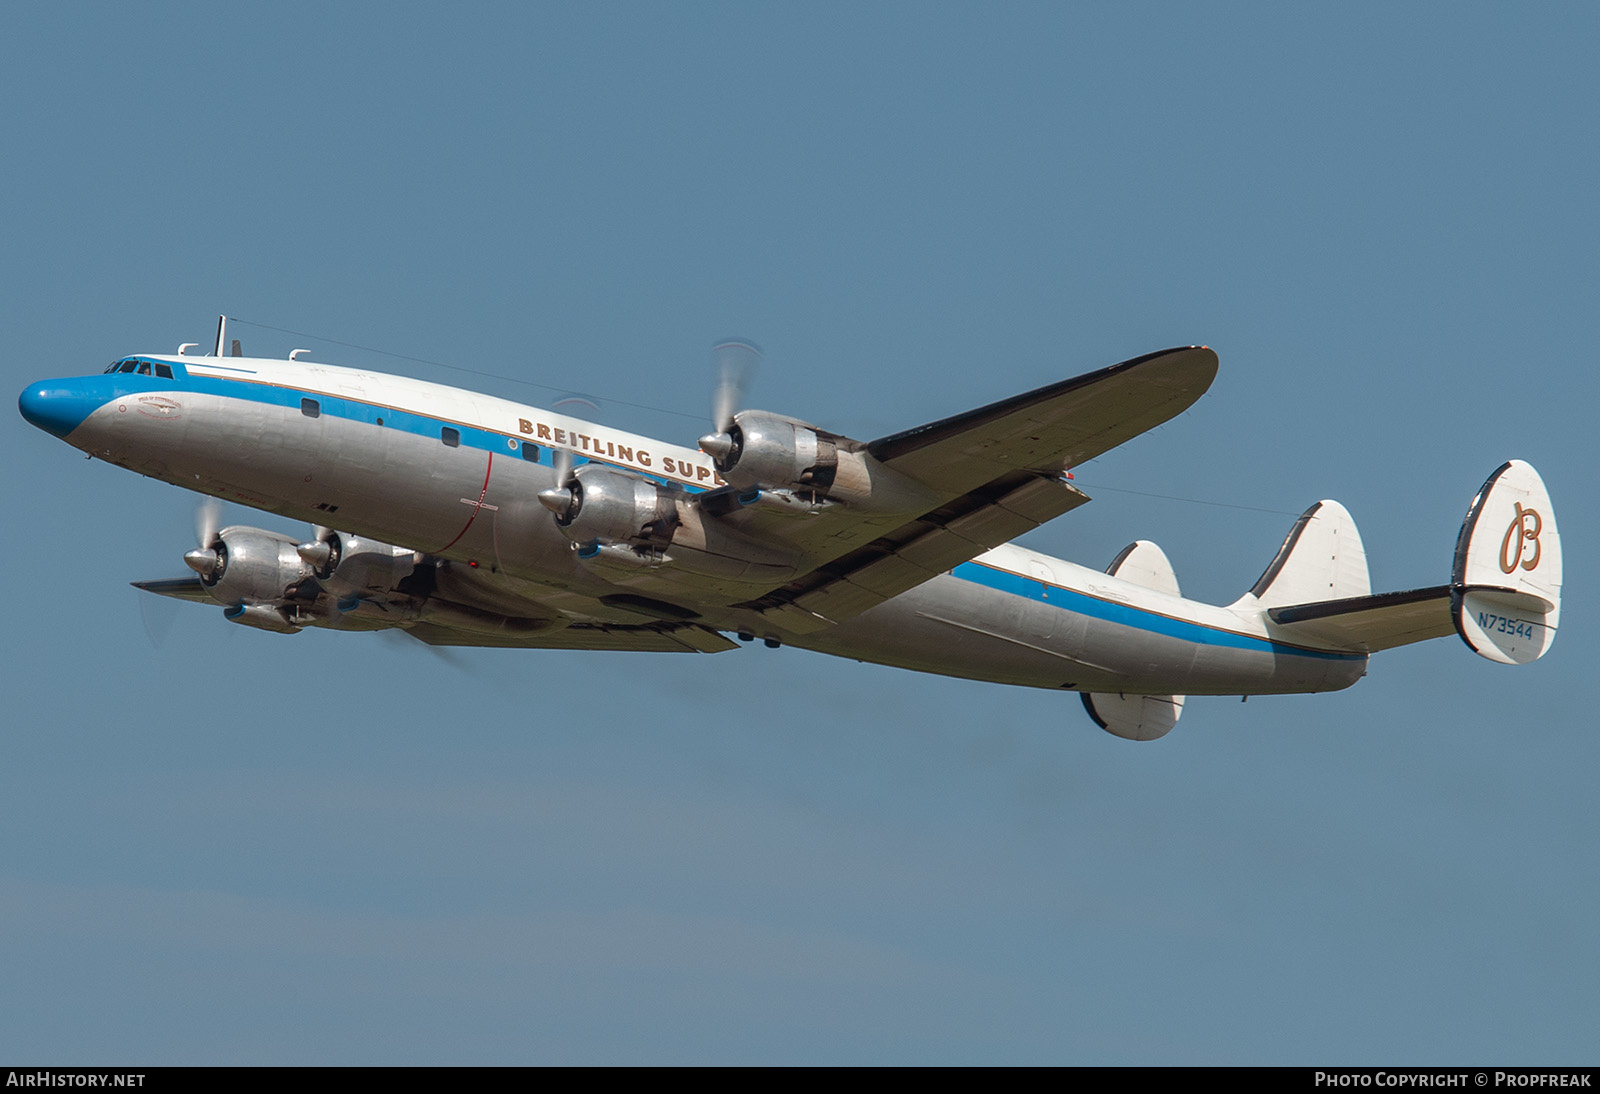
[[735, 363]]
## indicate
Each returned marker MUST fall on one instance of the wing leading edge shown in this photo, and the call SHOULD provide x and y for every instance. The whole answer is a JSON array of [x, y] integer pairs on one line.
[[1054, 427]]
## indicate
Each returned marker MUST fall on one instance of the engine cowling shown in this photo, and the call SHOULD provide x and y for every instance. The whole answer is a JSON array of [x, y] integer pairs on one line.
[[348, 565], [249, 566], [763, 449], [802, 465], [601, 505]]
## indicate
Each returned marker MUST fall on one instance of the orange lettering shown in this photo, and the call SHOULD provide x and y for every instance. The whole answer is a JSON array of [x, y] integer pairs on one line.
[[1512, 547]]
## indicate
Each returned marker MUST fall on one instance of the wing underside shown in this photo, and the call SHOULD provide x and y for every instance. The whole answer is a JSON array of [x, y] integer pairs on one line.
[[659, 637], [655, 638], [932, 544]]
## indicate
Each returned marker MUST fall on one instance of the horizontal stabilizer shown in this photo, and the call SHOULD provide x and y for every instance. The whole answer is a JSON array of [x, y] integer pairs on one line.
[[1134, 717], [1506, 597], [1370, 623]]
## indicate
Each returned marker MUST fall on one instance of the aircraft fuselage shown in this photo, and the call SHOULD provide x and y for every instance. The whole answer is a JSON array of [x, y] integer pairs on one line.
[[456, 476]]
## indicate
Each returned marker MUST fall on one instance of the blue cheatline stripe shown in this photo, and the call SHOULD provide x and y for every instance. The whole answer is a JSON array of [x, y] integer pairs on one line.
[[1072, 600], [108, 387], [355, 410]]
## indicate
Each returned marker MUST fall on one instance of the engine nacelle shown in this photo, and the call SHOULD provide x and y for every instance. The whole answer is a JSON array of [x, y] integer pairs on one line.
[[265, 617], [348, 565], [250, 566], [773, 451], [769, 452], [616, 507]]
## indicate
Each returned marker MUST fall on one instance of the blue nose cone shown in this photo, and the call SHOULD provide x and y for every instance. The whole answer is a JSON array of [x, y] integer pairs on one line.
[[59, 406]]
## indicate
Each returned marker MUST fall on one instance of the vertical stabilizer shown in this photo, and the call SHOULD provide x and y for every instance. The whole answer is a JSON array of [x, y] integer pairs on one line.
[[1134, 717], [1143, 563], [1506, 584], [1322, 559]]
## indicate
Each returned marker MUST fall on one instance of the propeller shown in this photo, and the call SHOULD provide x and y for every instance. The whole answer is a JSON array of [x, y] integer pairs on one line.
[[735, 364], [317, 552], [559, 498], [205, 558]]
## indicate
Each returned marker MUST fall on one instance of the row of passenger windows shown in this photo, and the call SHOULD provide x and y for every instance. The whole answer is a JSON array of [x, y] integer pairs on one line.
[[449, 435], [143, 368]]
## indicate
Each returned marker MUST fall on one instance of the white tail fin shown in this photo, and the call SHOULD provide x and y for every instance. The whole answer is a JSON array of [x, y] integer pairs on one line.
[[1138, 717], [1506, 584], [1143, 563], [1134, 717], [1504, 596], [1322, 559]]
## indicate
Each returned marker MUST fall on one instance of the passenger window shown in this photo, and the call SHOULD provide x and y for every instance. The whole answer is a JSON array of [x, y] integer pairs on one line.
[[450, 436], [530, 452], [311, 408]]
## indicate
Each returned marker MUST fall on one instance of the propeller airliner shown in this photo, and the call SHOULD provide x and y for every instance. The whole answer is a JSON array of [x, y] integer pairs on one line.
[[469, 520]]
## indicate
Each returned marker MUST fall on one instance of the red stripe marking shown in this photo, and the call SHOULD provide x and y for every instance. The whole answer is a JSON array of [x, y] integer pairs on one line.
[[476, 509]]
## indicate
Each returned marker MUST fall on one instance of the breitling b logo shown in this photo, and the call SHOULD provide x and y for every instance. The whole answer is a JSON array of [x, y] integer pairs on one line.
[[1526, 525]]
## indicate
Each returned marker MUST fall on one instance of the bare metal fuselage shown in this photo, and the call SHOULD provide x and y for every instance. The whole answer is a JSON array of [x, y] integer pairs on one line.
[[457, 476]]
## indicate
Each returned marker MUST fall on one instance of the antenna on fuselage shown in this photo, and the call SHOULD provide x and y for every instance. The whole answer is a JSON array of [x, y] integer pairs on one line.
[[222, 340]]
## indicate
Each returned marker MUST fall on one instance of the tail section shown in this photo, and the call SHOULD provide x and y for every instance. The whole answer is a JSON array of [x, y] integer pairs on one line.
[[1322, 559], [1138, 717], [1505, 593], [1134, 717], [1504, 596]]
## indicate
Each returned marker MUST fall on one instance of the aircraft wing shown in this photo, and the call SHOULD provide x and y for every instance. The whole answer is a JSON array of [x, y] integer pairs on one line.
[[662, 637], [1000, 472], [1056, 427], [650, 638], [179, 588]]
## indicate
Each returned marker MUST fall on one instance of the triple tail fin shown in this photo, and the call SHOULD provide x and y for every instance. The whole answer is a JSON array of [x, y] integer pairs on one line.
[[1138, 717], [1322, 559], [1504, 596], [1505, 588]]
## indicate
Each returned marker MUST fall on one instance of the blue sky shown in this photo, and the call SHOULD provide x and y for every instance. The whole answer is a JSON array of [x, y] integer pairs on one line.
[[237, 847]]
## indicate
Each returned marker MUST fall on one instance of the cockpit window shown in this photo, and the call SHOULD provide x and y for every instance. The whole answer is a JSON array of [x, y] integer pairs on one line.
[[163, 371], [144, 368], [128, 366]]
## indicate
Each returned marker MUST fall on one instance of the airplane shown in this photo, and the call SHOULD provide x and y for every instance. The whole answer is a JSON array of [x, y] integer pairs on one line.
[[470, 520]]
